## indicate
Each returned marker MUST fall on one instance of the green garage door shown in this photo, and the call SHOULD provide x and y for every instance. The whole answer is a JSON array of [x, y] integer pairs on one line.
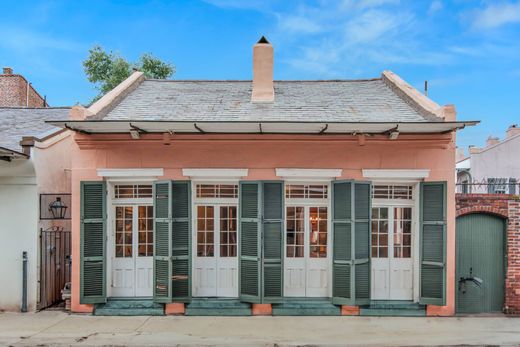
[[480, 263]]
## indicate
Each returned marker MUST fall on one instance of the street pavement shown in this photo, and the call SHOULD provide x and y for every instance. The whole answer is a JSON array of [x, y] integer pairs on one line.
[[55, 328]]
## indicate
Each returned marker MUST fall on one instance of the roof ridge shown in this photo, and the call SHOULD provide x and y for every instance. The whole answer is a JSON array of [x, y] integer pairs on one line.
[[283, 81]]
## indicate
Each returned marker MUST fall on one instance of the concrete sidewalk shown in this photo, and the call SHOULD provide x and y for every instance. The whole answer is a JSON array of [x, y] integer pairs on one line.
[[53, 328]]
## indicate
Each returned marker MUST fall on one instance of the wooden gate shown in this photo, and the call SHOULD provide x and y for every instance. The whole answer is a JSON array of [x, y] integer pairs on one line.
[[481, 262], [55, 265]]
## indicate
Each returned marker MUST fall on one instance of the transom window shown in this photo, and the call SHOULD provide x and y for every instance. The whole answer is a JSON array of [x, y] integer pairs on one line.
[[306, 191], [217, 190], [402, 192], [132, 191]]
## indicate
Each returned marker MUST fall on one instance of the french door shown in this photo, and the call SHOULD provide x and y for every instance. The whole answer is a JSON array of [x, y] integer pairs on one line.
[[216, 261], [306, 252], [392, 254], [132, 251]]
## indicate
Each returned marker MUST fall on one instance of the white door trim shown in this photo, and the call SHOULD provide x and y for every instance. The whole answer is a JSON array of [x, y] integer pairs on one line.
[[111, 204], [415, 204], [310, 203]]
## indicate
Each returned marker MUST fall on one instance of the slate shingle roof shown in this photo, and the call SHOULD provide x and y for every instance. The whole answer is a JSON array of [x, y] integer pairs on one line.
[[16, 122], [320, 101]]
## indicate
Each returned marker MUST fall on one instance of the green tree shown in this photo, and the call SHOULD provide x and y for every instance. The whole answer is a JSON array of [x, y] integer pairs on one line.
[[107, 70]]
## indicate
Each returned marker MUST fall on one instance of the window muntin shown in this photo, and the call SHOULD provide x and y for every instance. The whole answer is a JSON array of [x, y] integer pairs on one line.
[[318, 232], [402, 236], [385, 191], [306, 191], [295, 231], [217, 191], [380, 232], [205, 231], [145, 225], [124, 228], [228, 231], [132, 191]]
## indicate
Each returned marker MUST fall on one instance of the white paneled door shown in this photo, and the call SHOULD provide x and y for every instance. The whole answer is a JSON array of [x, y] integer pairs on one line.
[[216, 261], [132, 251], [306, 252], [392, 264]]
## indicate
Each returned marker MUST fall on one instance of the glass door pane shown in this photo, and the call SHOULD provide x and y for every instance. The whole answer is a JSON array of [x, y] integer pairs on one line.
[[295, 232], [402, 236], [124, 229], [205, 231], [318, 232], [228, 231], [145, 231], [380, 232]]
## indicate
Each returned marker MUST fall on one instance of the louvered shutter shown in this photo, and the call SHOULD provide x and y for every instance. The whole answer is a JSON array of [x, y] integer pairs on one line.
[[362, 213], [250, 241], [93, 242], [272, 223], [181, 231], [351, 242], [162, 241], [433, 243]]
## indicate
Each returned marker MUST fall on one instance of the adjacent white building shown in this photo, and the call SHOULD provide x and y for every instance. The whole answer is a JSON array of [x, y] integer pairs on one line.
[[494, 169]]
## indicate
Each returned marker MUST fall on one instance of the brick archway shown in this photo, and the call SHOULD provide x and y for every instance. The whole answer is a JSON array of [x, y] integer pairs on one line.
[[503, 213]]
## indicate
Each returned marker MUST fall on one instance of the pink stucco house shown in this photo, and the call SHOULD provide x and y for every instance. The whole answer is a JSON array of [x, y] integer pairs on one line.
[[263, 197]]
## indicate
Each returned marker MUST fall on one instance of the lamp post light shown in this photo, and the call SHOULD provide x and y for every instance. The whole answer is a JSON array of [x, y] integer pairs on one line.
[[58, 208]]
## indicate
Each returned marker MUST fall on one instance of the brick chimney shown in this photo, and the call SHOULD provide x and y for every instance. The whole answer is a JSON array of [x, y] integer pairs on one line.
[[512, 131], [491, 141], [16, 91], [263, 87]]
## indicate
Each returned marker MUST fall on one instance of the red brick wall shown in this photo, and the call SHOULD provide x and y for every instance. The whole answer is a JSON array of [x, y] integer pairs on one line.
[[13, 92], [506, 206]]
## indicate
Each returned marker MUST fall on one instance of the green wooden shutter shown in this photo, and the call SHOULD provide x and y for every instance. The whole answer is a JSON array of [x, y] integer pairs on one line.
[[249, 228], [351, 242], [362, 214], [433, 243], [162, 241], [272, 223], [181, 241], [93, 242]]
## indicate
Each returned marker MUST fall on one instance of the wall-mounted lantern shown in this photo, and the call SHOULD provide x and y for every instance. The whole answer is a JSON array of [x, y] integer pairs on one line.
[[58, 208]]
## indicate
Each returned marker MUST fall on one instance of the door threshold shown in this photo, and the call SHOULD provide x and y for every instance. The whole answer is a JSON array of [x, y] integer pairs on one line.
[[130, 298]]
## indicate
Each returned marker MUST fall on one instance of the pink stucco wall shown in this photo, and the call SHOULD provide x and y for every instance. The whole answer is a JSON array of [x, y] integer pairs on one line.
[[261, 154]]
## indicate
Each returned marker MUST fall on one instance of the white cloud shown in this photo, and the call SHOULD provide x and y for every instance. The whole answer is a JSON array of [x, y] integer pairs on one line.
[[435, 7], [496, 15], [22, 40], [299, 24]]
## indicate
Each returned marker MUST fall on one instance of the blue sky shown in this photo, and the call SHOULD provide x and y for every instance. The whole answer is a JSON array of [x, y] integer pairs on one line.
[[468, 50]]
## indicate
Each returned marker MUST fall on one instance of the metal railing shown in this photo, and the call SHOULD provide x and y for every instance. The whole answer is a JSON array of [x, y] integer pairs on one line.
[[487, 188]]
